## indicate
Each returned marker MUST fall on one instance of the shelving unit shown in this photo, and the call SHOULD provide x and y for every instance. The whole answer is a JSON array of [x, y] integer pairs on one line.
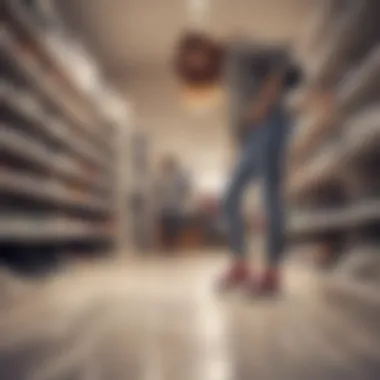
[[58, 154], [362, 85], [335, 153], [365, 212]]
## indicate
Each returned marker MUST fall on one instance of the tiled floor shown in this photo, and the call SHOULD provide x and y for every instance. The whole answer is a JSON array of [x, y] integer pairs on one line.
[[160, 320]]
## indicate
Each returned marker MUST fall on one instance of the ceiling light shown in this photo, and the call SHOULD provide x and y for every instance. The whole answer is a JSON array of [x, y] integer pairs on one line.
[[202, 99]]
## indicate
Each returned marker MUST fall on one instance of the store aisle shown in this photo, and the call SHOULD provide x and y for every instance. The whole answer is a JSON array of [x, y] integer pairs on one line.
[[161, 320]]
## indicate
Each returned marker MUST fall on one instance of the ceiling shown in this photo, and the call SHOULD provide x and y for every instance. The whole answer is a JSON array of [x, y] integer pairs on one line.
[[134, 41], [131, 34]]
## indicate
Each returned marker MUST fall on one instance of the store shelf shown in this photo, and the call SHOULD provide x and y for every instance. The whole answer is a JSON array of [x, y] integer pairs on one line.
[[50, 230], [16, 145], [47, 191], [21, 18], [319, 25], [360, 261], [58, 154], [333, 155], [326, 166], [32, 112], [324, 221], [38, 79], [344, 33], [363, 133], [363, 80]]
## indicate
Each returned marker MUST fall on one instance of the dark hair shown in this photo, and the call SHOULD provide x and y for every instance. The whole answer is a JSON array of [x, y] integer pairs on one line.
[[294, 77], [198, 42], [264, 65]]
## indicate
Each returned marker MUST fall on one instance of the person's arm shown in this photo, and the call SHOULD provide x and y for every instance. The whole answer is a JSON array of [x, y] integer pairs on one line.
[[266, 98], [282, 74]]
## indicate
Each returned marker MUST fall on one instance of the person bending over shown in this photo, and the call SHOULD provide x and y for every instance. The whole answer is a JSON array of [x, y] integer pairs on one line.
[[257, 77]]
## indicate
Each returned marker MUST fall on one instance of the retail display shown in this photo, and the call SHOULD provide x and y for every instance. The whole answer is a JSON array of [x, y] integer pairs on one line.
[[334, 159], [57, 155]]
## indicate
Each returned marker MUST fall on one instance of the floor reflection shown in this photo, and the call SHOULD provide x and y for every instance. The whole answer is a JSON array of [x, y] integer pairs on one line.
[[162, 321]]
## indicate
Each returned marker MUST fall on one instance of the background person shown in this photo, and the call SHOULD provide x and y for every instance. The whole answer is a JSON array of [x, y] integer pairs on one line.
[[172, 192]]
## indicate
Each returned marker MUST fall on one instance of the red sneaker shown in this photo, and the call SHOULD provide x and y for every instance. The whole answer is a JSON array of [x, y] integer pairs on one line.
[[268, 285], [237, 275]]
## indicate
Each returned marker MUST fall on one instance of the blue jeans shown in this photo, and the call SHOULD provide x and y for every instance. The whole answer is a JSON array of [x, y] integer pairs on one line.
[[261, 156]]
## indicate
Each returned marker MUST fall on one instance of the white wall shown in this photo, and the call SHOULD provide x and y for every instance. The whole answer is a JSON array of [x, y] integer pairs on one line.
[[201, 141]]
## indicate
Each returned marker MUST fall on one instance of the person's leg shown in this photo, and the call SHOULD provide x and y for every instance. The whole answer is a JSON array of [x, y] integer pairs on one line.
[[241, 177], [273, 170], [273, 203]]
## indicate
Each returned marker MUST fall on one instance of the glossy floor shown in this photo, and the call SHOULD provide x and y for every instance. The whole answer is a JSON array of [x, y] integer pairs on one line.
[[161, 320]]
